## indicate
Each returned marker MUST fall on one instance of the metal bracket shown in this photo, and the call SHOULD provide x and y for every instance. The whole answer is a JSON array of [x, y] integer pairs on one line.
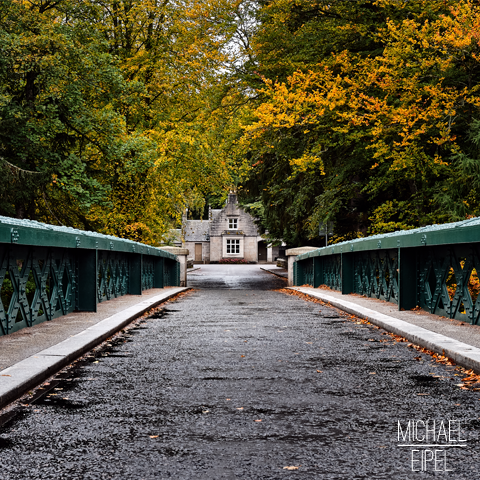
[[15, 235]]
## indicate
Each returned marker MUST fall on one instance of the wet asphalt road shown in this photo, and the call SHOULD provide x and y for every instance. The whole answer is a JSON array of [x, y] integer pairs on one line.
[[238, 381]]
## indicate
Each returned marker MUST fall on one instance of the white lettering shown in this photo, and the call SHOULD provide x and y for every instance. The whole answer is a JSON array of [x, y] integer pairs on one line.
[[408, 433], [438, 460], [430, 431], [414, 460], [442, 432], [417, 438], [427, 458]]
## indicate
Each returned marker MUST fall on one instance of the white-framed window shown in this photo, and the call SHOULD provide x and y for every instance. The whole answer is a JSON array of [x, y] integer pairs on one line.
[[233, 223], [233, 246]]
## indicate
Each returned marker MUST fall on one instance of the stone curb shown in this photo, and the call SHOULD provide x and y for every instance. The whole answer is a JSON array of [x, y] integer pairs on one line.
[[27, 374], [463, 354], [274, 273]]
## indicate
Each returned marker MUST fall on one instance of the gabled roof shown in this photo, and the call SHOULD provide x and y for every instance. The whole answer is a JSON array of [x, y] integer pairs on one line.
[[197, 231]]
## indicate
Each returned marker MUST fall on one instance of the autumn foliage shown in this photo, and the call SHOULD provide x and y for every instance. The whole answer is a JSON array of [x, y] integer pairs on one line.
[[368, 116], [117, 115]]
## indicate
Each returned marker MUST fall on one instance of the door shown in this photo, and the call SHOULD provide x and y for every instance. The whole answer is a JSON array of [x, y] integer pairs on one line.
[[262, 251], [198, 252]]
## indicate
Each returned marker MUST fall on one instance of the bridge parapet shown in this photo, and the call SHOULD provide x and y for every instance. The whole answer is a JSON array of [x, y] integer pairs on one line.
[[181, 254], [48, 271], [436, 268], [292, 254]]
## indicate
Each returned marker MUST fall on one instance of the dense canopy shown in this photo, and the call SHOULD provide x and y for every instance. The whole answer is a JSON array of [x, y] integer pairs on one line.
[[116, 115]]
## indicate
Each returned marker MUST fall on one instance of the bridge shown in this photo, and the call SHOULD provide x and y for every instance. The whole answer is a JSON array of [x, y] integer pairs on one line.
[[236, 375]]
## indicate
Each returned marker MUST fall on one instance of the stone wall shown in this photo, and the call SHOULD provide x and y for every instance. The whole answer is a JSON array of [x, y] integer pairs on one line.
[[251, 249], [215, 249]]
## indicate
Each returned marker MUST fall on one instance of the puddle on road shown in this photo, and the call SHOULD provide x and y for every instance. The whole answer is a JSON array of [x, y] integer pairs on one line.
[[424, 379]]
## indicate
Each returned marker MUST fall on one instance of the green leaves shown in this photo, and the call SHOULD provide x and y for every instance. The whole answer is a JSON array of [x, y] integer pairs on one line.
[[362, 116]]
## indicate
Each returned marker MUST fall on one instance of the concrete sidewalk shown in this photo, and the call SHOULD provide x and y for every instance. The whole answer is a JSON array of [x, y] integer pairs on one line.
[[453, 338], [31, 355]]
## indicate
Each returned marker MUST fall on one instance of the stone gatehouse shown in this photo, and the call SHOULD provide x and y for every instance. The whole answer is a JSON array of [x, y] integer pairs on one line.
[[229, 232]]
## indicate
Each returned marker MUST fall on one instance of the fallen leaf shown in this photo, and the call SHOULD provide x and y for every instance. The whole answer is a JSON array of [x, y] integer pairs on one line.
[[373, 373], [6, 375], [242, 356], [319, 371], [308, 343], [228, 399], [291, 468], [239, 408], [259, 420], [205, 411], [153, 436], [423, 394]]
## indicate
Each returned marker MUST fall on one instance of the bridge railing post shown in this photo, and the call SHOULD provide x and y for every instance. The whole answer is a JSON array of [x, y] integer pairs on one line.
[[407, 270], [87, 283], [135, 275], [158, 273], [348, 273]]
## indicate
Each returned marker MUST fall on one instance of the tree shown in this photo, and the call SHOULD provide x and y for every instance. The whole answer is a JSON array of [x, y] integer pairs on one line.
[[362, 113]]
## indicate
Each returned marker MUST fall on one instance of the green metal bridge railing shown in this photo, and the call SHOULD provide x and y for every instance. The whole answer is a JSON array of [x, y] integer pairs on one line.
[[435, 267], [48, 271]]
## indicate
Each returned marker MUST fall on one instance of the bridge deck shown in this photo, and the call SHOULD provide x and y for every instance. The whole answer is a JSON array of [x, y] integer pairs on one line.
[[239, 380], [26, 342]]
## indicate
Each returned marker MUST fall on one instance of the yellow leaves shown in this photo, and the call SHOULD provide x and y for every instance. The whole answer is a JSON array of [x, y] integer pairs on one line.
[[307, 162]]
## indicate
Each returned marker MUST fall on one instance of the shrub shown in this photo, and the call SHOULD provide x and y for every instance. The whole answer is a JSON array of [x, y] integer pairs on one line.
[[233, 261]]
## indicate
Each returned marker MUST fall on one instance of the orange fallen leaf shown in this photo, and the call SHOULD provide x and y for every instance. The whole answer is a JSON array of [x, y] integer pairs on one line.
[[228, 399], [6, 375], [259, 420], [239, 408], [292, 468], [242, 356], [153, 436]]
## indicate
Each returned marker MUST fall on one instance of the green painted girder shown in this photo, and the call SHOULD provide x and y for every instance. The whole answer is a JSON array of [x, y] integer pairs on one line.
[[30, 232], [467, 231]]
